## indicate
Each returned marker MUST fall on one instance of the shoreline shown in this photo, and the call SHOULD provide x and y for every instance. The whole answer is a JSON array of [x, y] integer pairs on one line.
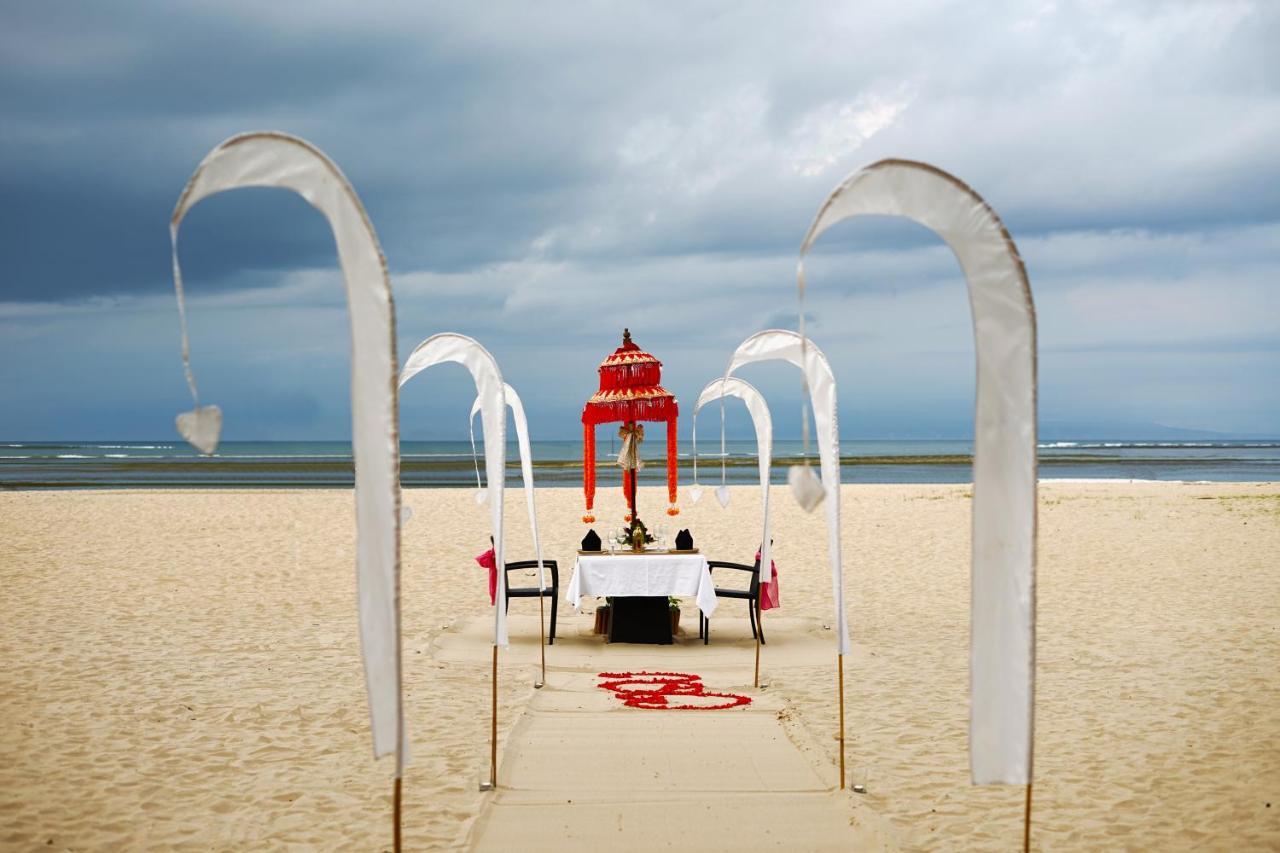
[[445, 464], [253, 488]]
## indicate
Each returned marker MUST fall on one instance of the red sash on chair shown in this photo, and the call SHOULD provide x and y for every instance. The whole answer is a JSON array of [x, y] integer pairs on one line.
[[489, 560]]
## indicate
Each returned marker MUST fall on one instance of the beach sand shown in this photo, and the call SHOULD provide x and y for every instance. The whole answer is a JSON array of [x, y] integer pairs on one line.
[[181, 668]]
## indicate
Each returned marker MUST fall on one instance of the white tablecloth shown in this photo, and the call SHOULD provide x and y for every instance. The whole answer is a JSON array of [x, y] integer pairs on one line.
[[643, 574]]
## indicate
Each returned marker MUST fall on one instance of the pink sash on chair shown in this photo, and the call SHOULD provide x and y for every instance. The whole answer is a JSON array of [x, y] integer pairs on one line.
[[489, 560], [769, 590]]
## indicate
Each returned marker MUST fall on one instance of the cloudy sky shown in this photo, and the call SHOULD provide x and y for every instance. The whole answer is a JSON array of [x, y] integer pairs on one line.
[[541, 175]]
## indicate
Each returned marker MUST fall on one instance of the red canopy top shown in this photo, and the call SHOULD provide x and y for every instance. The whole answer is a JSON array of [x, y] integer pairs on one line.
[[629, 389], [629, 392]]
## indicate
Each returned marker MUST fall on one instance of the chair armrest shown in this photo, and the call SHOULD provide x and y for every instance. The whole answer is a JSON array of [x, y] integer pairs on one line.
[[720, 564]]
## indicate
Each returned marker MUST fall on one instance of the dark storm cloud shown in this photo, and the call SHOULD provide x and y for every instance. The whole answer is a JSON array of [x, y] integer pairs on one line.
[[470, 136], [97, 148], [534, 168]]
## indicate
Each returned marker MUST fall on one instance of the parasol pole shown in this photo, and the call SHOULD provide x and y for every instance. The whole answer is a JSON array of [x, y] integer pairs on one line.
[[635, 473]]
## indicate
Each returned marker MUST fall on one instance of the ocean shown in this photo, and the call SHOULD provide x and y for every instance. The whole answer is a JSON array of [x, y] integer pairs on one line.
[[427, 464]]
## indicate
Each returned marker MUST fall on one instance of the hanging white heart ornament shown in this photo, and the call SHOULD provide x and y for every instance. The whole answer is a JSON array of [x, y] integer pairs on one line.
[[695, 493], [805, 487], [481, 495], [201, 427], [722, 495]]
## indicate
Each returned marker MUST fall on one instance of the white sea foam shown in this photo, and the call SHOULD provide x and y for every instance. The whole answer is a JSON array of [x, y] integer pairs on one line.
[[281, 456], [1222, 445], [426, 456], [1103, 480]]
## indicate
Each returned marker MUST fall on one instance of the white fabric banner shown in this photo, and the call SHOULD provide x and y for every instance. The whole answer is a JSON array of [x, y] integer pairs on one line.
[[1002, 663], [526, 466], [279, 160], [782, 345], [763, 422], [466, 351]]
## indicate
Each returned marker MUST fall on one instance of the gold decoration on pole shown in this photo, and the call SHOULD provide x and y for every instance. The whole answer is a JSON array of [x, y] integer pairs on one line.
[[631, 434]]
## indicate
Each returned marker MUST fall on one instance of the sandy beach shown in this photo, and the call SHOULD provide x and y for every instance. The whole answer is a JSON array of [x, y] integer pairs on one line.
[[180, 669]]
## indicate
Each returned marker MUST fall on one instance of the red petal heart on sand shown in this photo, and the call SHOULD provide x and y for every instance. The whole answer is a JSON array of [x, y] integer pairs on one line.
[[667, 691]]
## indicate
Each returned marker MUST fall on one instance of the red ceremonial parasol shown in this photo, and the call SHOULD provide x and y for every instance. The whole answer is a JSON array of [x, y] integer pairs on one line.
[[629, 393]]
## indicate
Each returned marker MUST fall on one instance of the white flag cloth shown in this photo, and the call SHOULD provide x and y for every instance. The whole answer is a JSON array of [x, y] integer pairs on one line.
[[446, 347], [782, 345], [526, 466], [763, 423], [1002, 663], [279, 160]]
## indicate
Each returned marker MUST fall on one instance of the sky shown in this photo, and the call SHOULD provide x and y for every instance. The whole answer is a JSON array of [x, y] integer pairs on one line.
[[542, 175]]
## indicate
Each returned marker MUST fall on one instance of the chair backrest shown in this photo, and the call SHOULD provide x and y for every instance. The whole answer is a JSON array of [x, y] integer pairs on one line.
[[753, 569], [550, 566]]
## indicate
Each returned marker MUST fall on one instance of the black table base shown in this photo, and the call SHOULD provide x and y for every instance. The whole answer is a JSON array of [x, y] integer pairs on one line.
[[640, 620]]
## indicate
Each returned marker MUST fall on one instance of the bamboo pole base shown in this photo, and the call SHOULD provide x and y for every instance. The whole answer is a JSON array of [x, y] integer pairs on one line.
[[1026, 823], [542, 630], [840, 668], [759, 631], [395, 809], [493, 726]]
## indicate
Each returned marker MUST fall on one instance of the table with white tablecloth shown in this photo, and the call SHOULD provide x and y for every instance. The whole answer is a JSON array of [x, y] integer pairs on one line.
[[642, 575]]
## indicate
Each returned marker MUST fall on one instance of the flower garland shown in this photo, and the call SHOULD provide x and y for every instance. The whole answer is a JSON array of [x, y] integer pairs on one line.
[[658, 688]]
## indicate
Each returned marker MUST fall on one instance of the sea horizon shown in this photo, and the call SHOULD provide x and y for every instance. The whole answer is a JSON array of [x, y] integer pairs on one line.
[[160, 463]]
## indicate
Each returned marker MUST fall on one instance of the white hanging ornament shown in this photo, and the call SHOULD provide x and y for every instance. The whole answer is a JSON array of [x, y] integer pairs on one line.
[[805, 487], [406, 513], [482, 495], [695, 493], [201, 427], [722, 495]]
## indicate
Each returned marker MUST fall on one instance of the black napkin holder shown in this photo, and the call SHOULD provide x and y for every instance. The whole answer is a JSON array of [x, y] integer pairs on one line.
[[684, 540], [591, 542]]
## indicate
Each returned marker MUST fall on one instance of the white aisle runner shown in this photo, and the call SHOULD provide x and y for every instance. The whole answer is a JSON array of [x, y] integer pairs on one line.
[[581, 771]]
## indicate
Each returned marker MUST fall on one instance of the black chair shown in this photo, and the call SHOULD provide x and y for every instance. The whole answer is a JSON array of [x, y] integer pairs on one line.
[[751, 595], [552, 590]]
